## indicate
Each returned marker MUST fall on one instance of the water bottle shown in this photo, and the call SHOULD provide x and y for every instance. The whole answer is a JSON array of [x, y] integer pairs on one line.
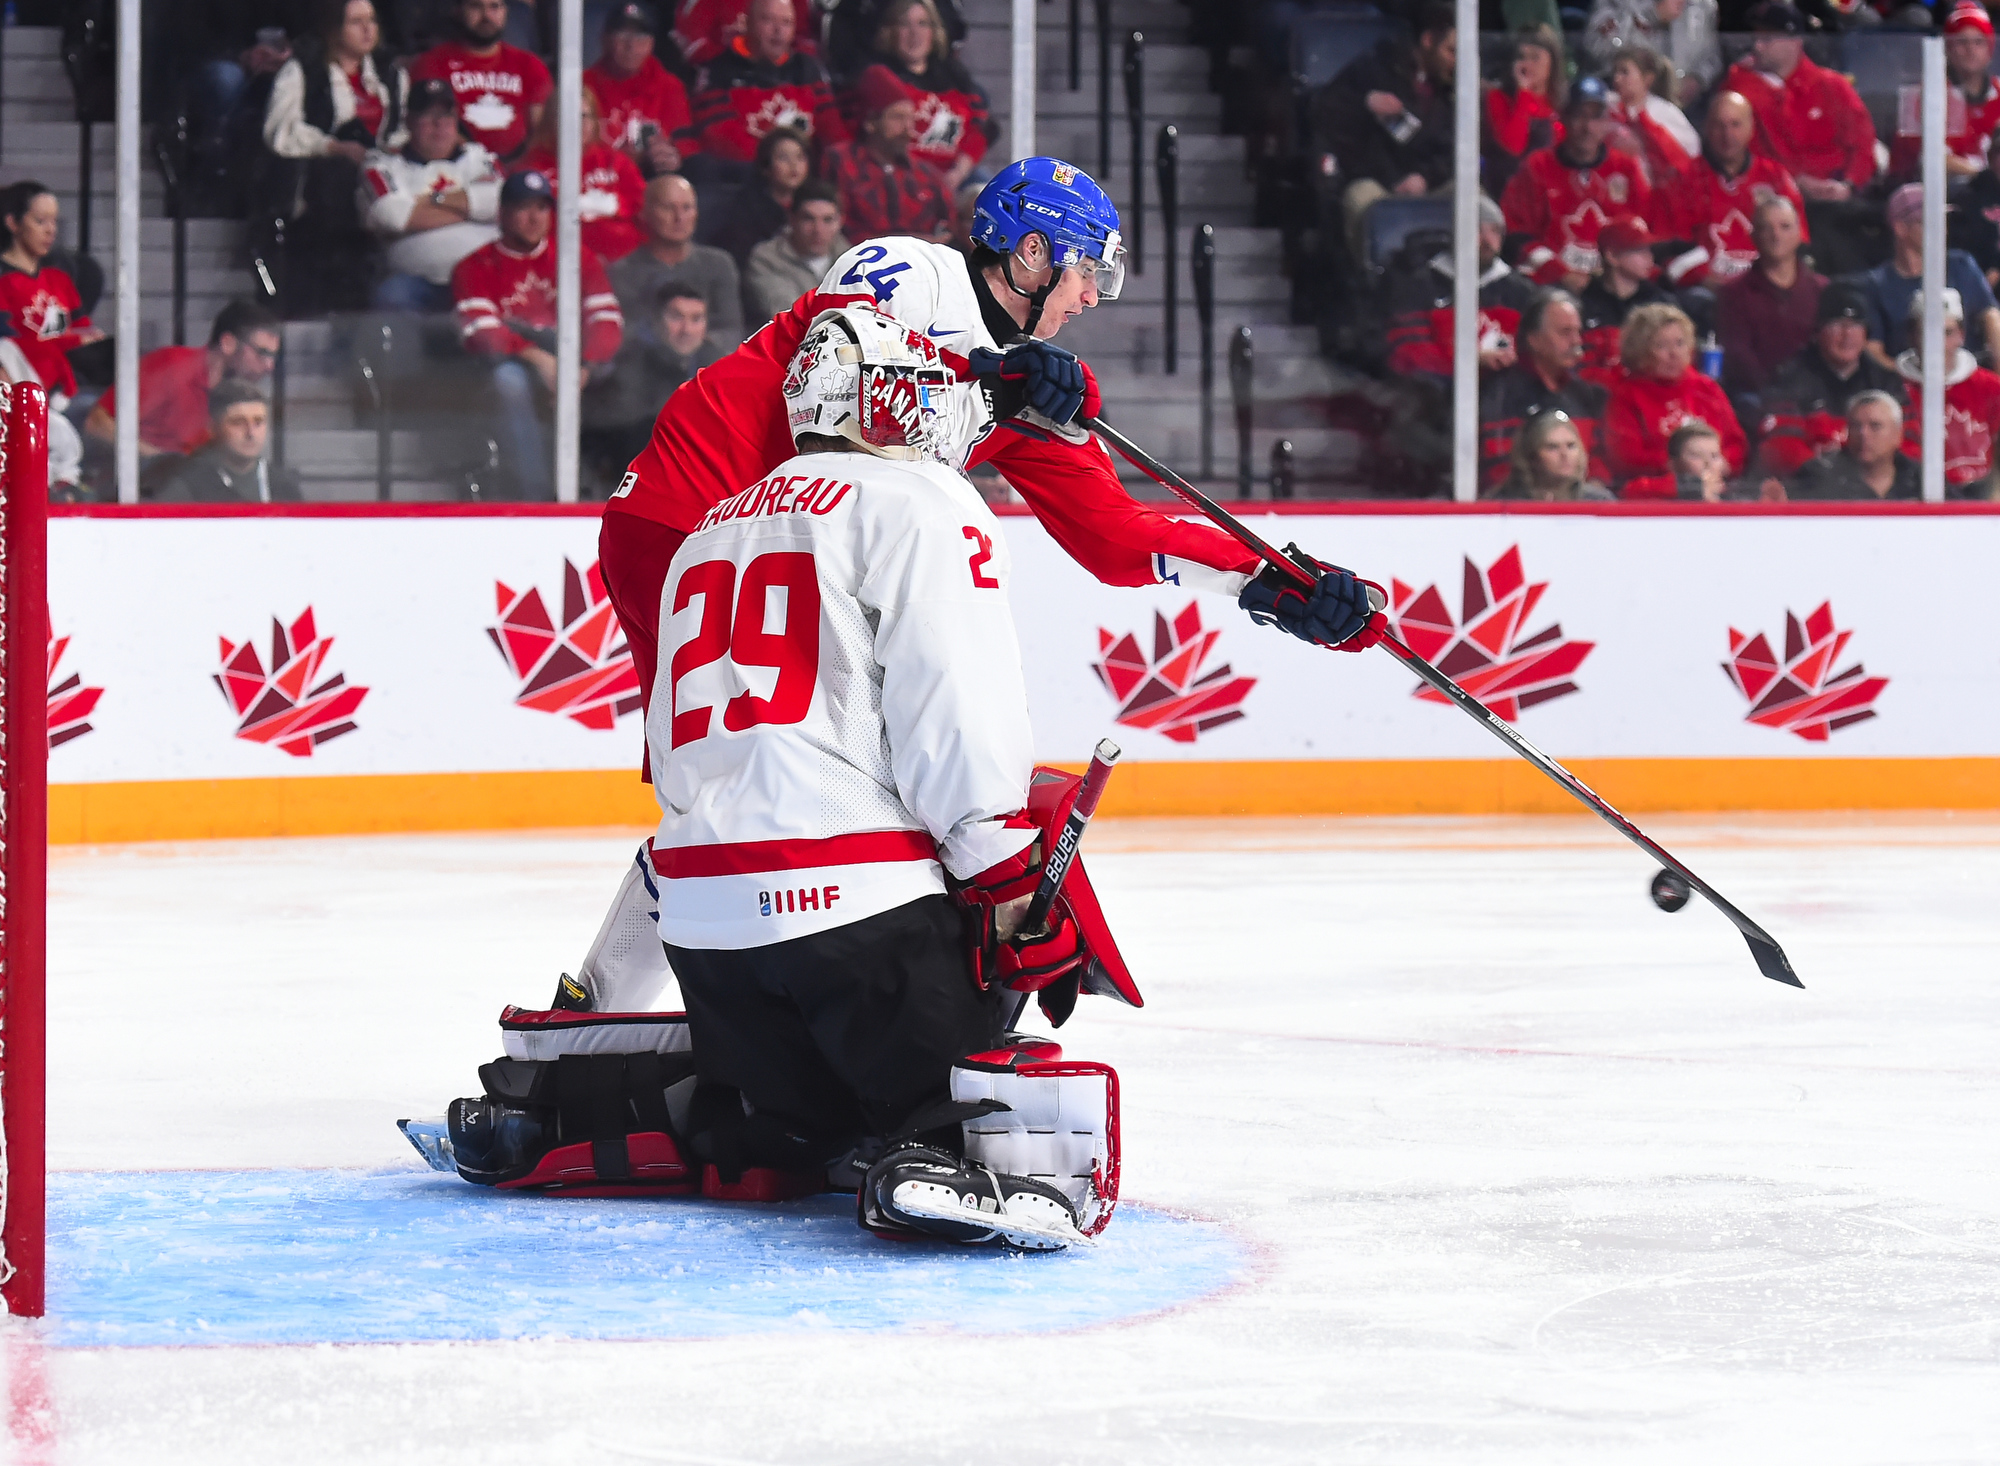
[[1710, 360]]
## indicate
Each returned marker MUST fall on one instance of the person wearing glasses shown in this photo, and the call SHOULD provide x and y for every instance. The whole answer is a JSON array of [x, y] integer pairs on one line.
[[174, 383]]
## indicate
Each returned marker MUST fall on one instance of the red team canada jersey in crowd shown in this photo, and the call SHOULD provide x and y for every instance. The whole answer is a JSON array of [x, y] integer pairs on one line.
[[43, 310], [1644, 412], [650, 94], [1814, 123], [1560, 208], [952, 113], [1971, 418], [613, 193], [495, 287], [726, 428], [741, 99], [1714, 214], [1968, 128], [495, 93]]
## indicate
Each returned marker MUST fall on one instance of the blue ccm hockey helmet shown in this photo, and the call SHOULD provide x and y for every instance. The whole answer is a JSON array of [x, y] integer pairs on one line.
[[1050, 197]]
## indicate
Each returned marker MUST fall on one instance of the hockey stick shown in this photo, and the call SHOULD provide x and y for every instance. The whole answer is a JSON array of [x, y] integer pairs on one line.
[[1770, 957], [1056, 868]]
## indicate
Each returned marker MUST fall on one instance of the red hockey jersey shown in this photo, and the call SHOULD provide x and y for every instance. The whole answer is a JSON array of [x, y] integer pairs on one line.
[[498, 290], [741, 99], [1662, 152], [1560, 208], [1813, 122], [495, 93], [727, 428], [953, 119], [1642, 415], [1971, 417], [1713, 214], [1968, 128], [652, 94], [613, 193], [43, 310]]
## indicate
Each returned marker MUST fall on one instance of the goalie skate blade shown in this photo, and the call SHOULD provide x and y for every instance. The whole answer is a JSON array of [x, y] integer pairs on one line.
[[433, 1142], [1026, 1226]]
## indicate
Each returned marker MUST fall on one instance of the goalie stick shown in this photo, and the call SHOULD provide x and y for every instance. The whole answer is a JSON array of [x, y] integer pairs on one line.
[[1769, 956], [1063, 856]]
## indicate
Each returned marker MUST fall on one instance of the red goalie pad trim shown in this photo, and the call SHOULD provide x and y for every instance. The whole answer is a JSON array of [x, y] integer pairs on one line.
[[1051, 792], [656, 1170]]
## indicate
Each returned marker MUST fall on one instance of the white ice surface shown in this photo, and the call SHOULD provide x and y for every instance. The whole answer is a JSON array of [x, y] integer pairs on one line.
[[1536, 1173]]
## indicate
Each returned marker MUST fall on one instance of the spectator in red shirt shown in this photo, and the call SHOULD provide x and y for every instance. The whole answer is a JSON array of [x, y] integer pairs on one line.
[[174, 383], [1657, 392], [760, 82], [1524, 111], [1561, 196], [1813, 122], [646, 113], [1974, 106], [506, 306], [39, 301], [1711, 203], [501, 89], [1421, 319], [1767, 314], [612, 192], [883, 189], [706, 29], [1971, 405], [952, 128]]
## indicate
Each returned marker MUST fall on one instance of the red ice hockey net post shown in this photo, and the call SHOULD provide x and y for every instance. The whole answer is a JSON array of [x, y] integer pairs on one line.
[[24, 836]]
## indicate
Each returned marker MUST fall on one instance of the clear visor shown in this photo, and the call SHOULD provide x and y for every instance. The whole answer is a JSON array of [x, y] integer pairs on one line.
[[1106, 275]]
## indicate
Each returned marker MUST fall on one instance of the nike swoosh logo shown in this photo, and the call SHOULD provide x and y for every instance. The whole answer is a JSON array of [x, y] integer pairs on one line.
[[936, 335]]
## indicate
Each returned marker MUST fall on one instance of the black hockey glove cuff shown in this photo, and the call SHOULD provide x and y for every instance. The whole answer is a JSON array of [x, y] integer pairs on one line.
[[1032, 374], [1334, 614]]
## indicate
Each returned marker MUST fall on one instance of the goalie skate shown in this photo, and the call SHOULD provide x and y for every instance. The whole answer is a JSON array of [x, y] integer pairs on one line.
[[432, 1138], [920, 1190]]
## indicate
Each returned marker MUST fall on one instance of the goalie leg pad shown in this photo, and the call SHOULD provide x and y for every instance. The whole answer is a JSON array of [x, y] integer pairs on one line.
[[1060, 1124]]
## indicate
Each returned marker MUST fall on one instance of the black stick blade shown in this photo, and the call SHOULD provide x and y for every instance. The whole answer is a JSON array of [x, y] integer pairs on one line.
[[1771, 959]]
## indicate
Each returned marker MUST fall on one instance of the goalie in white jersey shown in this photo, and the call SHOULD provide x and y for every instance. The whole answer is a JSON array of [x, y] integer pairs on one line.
[[839, 720]]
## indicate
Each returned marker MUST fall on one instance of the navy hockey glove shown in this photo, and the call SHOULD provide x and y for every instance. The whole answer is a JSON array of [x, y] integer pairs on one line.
[[1032, 374], [1334, 614]]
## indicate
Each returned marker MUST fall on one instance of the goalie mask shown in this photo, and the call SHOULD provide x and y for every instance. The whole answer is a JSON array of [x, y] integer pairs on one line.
[[861, 376]]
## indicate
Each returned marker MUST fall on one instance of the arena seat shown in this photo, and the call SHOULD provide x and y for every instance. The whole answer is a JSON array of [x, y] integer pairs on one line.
[[1390, 222], [1324, 41]]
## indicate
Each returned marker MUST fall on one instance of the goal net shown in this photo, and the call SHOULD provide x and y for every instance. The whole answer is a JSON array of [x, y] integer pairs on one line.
[[24, 828]]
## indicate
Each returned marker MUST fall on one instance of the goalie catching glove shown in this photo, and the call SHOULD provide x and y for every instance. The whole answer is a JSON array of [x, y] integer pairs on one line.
[[1335, 613]]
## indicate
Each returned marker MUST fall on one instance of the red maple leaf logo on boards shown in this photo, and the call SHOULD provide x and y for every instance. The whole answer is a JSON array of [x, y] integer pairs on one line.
[[1797, 694], [284, 707], [1169, 693], [584, 670], [69, 703], [1489, 656]]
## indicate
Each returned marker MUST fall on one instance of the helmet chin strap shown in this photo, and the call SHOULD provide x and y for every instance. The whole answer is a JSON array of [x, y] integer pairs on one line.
[[1036, 299]]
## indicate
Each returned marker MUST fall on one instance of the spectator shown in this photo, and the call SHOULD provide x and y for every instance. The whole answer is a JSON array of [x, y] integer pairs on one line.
[[854, 29], [1685, 32], [1890, 286], [1973, 224], [223, 57], [794, 261], [669, 253], [231, 468], [38, 300], [952, 128], [646, 113], [1813, 122], [1656, 130], [1971, 404], [1421, 331], [1562, 195], [706, 29], [340, 95], [175, 383], [434, 202], [1657, 391], [1972, 113], [1768, 313], [884, 189], [1386, 120], [760, 82], [1712, 202], [1869, 464], [506, 303], [755, 213], [613, 192], [1805, 403], [674, 344], [501, 89], [1549, 463], [1624, 283], [1524, 112], [1543, 379], [1696, 459], [65, 446]]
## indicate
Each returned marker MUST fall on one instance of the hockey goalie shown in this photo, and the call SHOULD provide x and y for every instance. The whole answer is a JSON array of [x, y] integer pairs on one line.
[[851, 830]]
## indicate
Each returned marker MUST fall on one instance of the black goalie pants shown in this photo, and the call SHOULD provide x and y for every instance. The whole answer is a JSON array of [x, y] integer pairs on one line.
[[840, 1035]]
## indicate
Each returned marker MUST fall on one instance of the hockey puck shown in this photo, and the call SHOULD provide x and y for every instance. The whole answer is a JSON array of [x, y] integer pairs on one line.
[[1669, 891]]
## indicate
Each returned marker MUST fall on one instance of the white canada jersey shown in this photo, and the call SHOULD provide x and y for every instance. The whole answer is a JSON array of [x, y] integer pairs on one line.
[[393, 184], [839, 706], [924, 286]]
